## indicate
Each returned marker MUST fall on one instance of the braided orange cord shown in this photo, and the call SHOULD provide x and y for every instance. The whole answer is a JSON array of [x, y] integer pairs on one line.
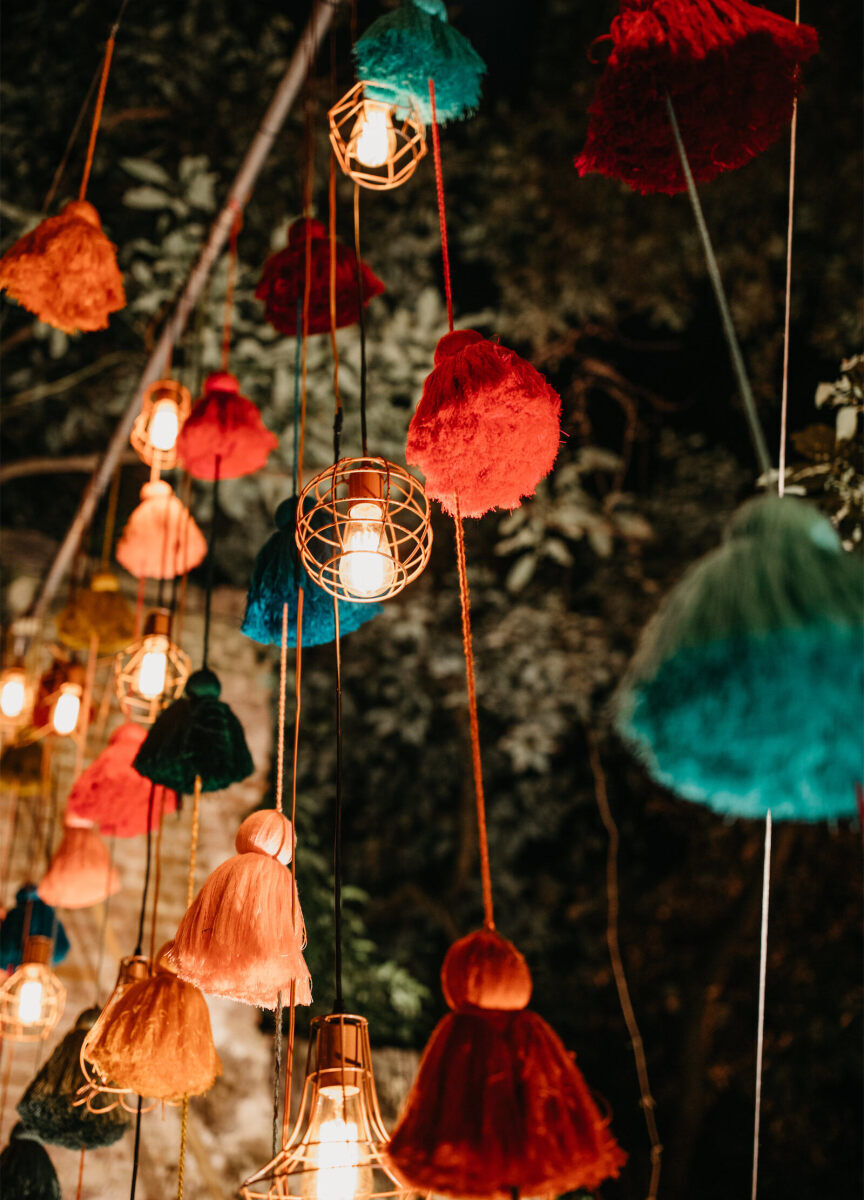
[[97, 116]]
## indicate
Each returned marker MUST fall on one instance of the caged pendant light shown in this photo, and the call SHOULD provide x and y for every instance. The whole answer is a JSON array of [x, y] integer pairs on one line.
[[32, 998], [363, 529], [152, 671], [335, 1151], [376, 144], [164, 410], [97, 1092]]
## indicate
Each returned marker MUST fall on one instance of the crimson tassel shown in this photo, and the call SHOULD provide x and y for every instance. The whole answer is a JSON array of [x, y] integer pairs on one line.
[[224, 428], [65, 271], [112, 794], [731, 70], [81, 872], [486, 427], [499, 1107], [283, 282], [239, 937]]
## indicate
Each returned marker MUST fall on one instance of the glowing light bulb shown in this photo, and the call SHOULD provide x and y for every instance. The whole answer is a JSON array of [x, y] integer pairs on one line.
[[13, 694], [154, 668], [335, 1149], [374, 138], [366, 567], [30, 1001], [66, 708], [164, 426]]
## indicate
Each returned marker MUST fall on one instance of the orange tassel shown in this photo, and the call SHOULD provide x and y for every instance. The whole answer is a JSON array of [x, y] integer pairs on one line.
[[65, 271], [81, 872], [160, 539], [237, 938], [156, 1040], [499, 1107]]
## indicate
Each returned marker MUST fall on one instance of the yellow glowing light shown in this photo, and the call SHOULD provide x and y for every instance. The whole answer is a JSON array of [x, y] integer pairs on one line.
[[67, 708], [336, 1152], [30, 1001], [164, 426], [13, 694], [366, 567], [154, 668], [374, 138]]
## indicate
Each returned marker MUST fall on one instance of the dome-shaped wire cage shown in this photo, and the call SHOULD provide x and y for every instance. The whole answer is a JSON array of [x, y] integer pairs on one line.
[[32, 998], [376, 144], [337, 1144], [151, 672], [363, 529], [164, 409]]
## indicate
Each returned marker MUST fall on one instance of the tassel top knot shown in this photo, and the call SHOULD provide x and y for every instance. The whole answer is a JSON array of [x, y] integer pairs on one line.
[[484, 971]]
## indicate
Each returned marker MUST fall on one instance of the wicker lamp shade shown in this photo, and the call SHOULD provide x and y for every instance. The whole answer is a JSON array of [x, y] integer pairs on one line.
[[32, 998], [363, 529], [98, 1093], [164, 409], [336, 1145], [375, 144], [152, 671]]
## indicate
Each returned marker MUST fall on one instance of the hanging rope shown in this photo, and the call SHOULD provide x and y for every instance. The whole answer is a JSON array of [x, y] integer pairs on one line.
[[331, 211], [73, 137], [230, 283], [190, 892], [760, 1034], [181, 1161], [361, 319], [339, 1004], [103, 933], [756, 435], [157, 879], [80, 1173], [141, 915], [110, 518], [790, 221], [136, 1150], [100, 97], [208, 593], [442, 215]]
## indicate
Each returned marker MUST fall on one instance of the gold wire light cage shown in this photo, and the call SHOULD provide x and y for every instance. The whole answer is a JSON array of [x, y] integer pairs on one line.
[[335, 1150], [164, 409], [98, 1093], [32, 998], [152, 671], [363, 529], [376, 144]]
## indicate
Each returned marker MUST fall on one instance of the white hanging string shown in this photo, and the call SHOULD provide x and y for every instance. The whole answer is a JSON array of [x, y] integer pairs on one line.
[[784, 395]]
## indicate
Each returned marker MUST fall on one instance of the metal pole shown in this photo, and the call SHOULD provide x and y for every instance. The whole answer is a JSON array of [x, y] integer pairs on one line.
[[241, 189]]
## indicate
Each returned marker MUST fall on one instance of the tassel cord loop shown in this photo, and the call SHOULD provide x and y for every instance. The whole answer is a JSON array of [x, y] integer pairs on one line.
[[756, 435]]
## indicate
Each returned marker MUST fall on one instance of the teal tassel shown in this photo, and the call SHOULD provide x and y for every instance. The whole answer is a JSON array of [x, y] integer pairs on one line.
[[41, 922], [26, 1171], [747, 689], [277, 578], [46, 1108], [403, 49], [198, 735]]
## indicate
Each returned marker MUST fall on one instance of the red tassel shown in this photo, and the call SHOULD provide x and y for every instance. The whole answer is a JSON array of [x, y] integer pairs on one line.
[[237, 938], [283, 282], [112, 794], [81, 872], [226, 426], [499, 1106], [731, 69], [160, 539], [486, 427], [65, 271]]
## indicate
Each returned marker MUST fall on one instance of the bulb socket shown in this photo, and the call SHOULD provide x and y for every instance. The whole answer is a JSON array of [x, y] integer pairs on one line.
[[158, 622], [37, 950]]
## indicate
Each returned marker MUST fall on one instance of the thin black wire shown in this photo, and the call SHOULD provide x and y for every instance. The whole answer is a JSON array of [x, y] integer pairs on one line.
[[362, 319], [339, 1005], [135, 1150], [277, 1077], [210, 550], [143, 913]]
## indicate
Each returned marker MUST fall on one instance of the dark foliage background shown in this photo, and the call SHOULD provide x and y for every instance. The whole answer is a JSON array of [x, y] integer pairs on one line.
[[606, 292]]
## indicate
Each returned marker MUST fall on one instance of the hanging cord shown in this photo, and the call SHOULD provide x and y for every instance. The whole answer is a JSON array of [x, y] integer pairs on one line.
[[339, 1005], [73, 137], [157, 878], [442, 214], [337, 415], [760, 1031], [190, 892], [230, 284], [147, 861], [86, 705], [361, 319], [110, 518], [181, 1161], [307, 267], [280, 777], [8, 1045], [103, 934], [208, 595], [756, 435], [136, 1150], [790, 222], [81, 1173], [100, 97], [612, 940]]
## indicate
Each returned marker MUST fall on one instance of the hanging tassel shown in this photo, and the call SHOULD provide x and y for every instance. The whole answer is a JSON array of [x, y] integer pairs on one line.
[[746, 689], [47, 1106], [404, 48], [283, 281], [198, 735], [30, 917], [65, 271], [26, 1171], [81, 872], [238, 937], [224, 427], [157, 1041], [731, 69], [99, 611], [161, 539], [277, 578], [486, 428], [111, 793], [499, 1107]]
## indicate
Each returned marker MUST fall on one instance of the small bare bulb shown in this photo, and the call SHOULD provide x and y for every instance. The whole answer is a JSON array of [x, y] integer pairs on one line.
[[366, 567], [154, 668], [374, 137], [164, 426], [67, 708], [13, 695]]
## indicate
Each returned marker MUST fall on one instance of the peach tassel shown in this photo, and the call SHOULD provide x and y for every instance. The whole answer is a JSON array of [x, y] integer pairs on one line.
[[160, 539], [81, 872]]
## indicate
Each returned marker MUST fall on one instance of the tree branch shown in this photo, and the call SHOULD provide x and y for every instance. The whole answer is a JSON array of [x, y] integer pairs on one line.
[[56, 466]]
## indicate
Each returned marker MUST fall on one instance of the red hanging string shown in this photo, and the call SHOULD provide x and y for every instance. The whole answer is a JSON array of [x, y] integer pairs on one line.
[[97, 116], [442, 216]]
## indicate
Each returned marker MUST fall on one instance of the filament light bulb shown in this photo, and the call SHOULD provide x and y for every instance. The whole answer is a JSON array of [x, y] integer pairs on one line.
[[335, 1151], [67, 708], [30, 1001], [154, 667], [366, 567], [374, 138], [13, 694], [164, 426]]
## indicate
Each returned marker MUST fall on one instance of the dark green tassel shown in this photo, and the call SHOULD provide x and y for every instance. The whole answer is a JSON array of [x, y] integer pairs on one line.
[[197, 735], [26, 1171], [46, 1108]]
